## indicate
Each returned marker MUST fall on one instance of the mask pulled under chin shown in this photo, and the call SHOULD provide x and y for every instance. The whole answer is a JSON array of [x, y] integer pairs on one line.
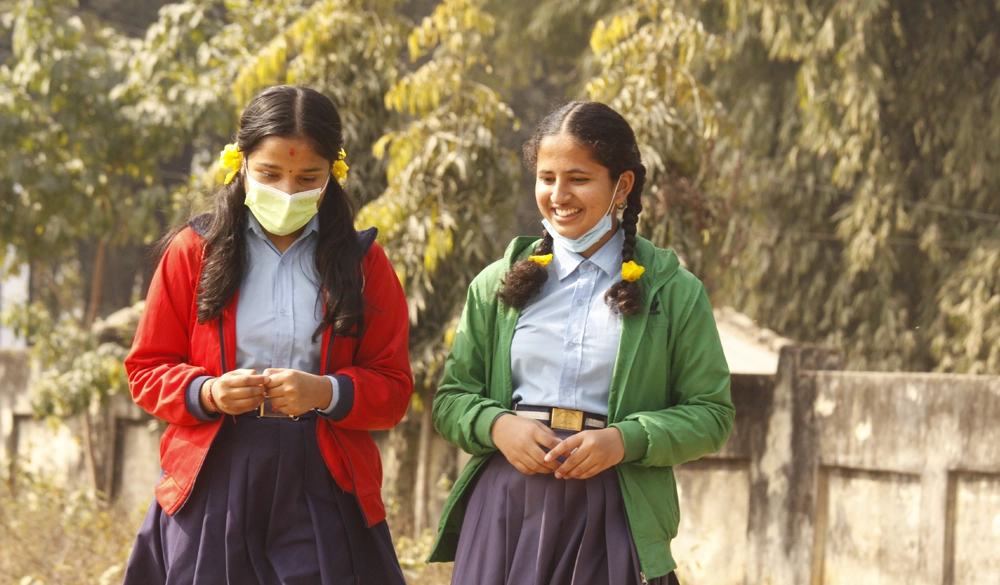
[[593, 235], [281, 213]]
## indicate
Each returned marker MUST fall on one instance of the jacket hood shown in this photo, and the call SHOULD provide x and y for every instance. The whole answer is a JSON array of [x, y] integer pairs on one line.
[[661, 264]]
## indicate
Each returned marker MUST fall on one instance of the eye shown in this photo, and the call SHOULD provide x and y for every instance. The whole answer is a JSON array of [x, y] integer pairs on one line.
[[546, 180], [308, 179]]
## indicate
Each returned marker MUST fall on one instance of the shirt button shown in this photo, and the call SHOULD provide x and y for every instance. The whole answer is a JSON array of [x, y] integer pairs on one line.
[[281, 311], [579, 303]]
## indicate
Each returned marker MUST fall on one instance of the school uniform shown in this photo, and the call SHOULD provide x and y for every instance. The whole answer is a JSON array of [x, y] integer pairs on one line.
[[659, 376], [253, 499]]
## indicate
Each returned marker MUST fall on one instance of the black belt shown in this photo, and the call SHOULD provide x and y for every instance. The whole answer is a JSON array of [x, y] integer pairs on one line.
[[562, 418]]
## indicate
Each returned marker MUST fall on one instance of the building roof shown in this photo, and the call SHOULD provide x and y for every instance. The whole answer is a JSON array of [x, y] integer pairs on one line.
[[749, 349]]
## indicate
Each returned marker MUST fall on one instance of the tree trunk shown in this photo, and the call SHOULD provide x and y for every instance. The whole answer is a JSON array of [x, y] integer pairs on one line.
[[420, 490], [88, 449], [96, 281]]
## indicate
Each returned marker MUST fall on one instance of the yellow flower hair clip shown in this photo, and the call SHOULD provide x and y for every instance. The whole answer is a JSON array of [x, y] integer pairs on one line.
[[231, 159], [541, 260], [631, 271], [340, 167]]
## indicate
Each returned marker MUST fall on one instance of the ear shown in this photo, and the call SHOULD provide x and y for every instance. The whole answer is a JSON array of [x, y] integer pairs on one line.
[[625, 184]]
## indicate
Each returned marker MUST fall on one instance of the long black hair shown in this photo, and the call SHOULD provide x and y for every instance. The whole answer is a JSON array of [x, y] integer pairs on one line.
[[610, 142], [288, 111]]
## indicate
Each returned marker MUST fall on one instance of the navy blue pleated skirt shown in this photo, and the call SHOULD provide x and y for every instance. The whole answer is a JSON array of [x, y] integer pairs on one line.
[[264, 510], [539, 530]]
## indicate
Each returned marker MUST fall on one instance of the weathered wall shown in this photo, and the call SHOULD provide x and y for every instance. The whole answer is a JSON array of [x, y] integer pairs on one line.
[[128, 453], [835, 478]]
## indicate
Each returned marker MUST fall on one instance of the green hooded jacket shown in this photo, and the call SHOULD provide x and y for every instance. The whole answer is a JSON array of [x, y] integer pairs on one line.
[[669, 394]]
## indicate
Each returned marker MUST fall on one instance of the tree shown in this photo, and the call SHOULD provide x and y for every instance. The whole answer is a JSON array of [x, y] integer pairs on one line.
[[860, 173], [74, 171], [452, 185]]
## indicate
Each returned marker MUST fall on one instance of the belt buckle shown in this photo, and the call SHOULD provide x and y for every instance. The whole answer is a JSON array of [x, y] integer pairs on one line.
[[266, 411], [566, 420]]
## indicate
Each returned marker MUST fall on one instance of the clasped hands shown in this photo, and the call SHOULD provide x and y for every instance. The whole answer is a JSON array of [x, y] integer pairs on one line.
[[524, 442], [292, 392]]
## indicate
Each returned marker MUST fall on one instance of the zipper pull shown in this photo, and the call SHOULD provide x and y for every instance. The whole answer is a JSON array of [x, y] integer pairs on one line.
[[642, 576]]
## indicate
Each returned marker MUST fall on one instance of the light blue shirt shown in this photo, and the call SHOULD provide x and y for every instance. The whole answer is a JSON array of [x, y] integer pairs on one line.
[[279, 309], [566, 339]]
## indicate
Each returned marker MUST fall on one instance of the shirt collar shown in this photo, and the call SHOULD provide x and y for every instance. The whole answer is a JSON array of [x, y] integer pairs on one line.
[[608, 257]]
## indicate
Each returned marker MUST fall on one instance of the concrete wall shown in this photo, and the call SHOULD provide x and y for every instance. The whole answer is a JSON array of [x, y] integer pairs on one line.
[[835, 478], [127, 445]]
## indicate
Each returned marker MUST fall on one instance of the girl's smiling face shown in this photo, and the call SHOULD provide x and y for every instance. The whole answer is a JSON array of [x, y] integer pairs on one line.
[[574, 192]]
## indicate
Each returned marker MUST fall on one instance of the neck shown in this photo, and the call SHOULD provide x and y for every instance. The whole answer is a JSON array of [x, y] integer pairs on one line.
[[282, 243]]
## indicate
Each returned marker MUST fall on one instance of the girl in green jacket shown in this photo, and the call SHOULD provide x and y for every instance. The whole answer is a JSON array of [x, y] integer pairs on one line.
[[586, 365]]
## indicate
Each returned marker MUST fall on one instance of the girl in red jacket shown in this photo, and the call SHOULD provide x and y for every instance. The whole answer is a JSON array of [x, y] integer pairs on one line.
[[274, 339]]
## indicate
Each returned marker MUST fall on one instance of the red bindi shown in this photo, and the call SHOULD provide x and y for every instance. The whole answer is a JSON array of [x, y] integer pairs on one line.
[[291, 152]]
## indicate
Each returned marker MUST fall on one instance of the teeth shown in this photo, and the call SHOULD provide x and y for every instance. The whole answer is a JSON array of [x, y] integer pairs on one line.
[[566, 212]]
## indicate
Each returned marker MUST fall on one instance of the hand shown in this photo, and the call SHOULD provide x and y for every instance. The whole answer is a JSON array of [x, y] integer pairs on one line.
[[521, 441], [234, 392], [294, 392], [590, 452]]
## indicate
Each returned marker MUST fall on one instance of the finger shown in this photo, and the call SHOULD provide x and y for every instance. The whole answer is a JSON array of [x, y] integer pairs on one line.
[[574, 465], [531, 466], [547, 439], [236, 381], [564, 447], [537, 456], [241, 406], [582, 472], [243, 392]]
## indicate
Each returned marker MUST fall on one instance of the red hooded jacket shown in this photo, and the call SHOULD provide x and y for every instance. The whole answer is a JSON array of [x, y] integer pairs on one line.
[[171, 349]]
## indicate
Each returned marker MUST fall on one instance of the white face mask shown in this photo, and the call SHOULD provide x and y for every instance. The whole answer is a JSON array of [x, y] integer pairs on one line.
[[593, 235], [281, 213]]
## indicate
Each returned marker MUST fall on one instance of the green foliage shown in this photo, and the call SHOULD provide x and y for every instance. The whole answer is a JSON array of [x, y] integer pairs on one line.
[[78, 372], [651, 58], [451, 179], [846, 191], [72, 166], [879, 176]]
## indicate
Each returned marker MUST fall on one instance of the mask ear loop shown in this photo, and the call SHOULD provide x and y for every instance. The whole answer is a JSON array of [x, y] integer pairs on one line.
[[613, 193]]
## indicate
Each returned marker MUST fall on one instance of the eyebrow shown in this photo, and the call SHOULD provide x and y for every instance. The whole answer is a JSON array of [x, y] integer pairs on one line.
[[278, 167], [569, 172]]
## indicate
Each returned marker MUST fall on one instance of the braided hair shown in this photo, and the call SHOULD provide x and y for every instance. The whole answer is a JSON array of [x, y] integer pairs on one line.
[[610, 141]]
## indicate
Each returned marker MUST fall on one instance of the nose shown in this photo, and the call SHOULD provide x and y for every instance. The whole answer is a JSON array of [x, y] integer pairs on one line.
[[560, 191], [287, 184]]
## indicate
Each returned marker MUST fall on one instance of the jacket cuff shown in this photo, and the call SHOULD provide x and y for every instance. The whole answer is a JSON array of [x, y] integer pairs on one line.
[[635, 438], [484, 424], [334, 395], [343, 398], [192, 399]]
